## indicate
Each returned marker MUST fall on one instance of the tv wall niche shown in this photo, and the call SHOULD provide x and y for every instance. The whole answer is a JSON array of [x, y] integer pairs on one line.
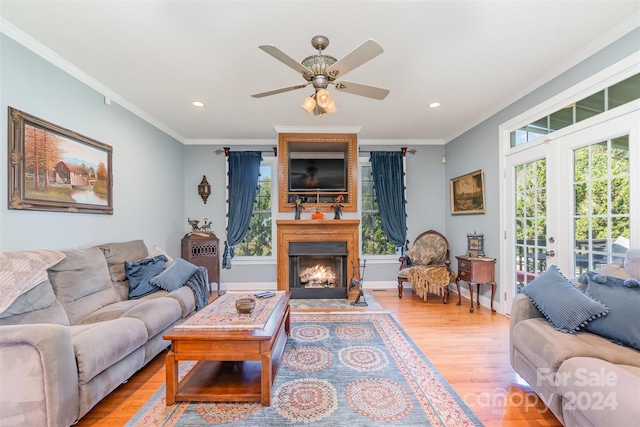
[[317, 168]]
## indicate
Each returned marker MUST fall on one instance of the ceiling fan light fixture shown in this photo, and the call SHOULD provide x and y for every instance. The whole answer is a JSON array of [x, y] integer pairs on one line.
[[331, 108], [308, 104], [323, 98]]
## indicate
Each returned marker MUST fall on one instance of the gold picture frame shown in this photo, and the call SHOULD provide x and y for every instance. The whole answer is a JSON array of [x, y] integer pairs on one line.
[[467, 193], [55, 169]]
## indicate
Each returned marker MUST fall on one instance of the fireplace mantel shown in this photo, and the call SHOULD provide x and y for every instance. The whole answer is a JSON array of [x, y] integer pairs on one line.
[[313, 230]]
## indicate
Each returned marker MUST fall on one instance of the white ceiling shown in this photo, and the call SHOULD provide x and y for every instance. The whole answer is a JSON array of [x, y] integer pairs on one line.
[[156, 57]]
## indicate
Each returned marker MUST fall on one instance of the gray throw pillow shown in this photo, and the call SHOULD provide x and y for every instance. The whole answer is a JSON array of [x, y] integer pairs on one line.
[[622, 324], [175, 276], [564, 305]]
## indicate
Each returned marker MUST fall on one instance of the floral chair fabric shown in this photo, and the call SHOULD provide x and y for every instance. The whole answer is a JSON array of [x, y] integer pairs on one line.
[[426, 267]]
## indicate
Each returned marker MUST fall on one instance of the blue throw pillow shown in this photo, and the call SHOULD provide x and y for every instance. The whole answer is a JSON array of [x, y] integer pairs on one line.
[[141, 272], [622, 324], [564, 305], [175, 276]]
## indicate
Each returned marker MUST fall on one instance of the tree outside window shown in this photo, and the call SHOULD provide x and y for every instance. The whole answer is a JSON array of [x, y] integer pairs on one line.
[[258, 241], [374, 241]]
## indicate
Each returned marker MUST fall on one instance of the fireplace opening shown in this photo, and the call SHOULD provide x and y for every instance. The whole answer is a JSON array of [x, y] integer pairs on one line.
[[318, 269]]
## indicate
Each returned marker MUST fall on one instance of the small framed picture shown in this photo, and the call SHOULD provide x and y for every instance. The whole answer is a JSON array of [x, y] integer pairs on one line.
[[467, 193], [475, 245]]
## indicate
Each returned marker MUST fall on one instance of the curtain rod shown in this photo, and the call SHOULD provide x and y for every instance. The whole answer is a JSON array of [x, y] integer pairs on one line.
[[403, 149], [227, 150]]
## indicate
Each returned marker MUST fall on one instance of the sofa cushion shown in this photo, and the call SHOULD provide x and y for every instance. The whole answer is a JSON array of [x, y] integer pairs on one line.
[[116, 254], [622, 324], [99, 345], [140, 274], [175, 276], [546, 347], [564, 305], [81, 283], [185, 298], [39, 305], [598, 393], [632, 262], [157, 314], [109, 312]]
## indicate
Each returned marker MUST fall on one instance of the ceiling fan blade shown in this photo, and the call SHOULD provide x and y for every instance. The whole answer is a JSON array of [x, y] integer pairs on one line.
[[286, 59], [362, 90], [363, 53], [277, 91]]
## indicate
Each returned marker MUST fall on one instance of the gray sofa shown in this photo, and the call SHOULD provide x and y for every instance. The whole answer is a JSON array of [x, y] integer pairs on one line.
[[585, 379], [73, 338]]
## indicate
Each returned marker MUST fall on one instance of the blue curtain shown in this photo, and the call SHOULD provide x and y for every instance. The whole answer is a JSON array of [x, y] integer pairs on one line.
[[388, 183], [244, 170]]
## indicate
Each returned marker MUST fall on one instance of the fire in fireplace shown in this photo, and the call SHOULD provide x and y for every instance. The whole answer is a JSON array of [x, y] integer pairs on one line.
[[318, 269]]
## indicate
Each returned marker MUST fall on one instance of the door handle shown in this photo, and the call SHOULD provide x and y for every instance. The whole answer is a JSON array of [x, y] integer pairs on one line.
[[550, 254]]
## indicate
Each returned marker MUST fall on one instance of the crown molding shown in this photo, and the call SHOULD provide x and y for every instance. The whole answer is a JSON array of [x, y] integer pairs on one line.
[[317, 129], [47, 54]]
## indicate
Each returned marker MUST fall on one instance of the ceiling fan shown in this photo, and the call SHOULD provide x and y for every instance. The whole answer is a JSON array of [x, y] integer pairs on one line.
[[322, 70]]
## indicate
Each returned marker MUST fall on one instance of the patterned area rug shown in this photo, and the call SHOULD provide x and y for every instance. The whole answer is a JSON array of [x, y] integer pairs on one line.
[[334, 303], [338, 369]]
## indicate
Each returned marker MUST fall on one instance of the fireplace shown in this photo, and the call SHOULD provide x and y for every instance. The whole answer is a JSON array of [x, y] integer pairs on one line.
[[322, 243], [318, 269]]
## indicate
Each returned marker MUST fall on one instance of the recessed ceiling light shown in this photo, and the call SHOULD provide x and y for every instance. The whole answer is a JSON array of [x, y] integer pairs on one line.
[[434, 105], [197, 104]]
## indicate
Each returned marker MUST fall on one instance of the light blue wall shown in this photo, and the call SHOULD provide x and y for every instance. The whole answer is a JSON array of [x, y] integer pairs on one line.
[[478, 149], [148, 167]]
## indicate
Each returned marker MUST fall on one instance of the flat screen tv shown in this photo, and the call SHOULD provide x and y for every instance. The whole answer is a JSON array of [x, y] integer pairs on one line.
[[317, 174]]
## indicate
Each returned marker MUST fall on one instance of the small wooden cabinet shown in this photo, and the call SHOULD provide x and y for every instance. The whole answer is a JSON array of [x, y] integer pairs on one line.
[[478, 271], [201, 249]]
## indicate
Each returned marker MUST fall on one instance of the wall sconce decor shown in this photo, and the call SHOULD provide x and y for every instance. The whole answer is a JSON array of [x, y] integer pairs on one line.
[[204, 189]]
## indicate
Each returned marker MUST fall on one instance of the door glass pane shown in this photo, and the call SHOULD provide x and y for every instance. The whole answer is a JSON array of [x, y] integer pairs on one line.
[[601, 223], [530, 222]]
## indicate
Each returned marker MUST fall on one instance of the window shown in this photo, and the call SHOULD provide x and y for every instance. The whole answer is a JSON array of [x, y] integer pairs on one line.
[[604, 100], [258, 241], [374, 241]]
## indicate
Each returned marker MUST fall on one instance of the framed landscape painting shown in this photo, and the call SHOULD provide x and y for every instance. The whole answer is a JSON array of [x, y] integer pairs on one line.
[[467, 193], [55, 169]]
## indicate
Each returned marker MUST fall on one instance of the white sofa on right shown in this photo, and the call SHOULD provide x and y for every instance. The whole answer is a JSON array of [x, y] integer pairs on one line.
[[588, 376]]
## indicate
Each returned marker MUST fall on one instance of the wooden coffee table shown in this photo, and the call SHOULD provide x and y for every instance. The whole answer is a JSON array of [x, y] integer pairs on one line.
[[233, 365]]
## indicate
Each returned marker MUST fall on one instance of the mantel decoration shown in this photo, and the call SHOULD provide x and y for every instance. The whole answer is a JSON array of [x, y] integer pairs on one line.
[[467, 193], [337, 207], [56, 169], [475, 244], [299, 208], [204, 189], [195, 225]]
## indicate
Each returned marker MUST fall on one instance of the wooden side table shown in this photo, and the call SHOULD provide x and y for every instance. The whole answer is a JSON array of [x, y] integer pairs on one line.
[[201, 249], [478, 271]]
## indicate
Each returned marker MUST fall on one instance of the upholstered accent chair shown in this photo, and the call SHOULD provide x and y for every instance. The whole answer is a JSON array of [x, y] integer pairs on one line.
[[426, 266]]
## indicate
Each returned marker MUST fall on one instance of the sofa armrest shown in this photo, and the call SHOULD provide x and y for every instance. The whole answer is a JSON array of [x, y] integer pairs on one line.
[[522, 308], [38, 376]]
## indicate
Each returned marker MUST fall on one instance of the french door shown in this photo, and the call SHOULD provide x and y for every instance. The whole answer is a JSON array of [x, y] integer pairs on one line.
[[571, 201]]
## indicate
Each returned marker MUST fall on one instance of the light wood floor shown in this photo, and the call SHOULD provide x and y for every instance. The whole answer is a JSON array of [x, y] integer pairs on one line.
[[471, 350]]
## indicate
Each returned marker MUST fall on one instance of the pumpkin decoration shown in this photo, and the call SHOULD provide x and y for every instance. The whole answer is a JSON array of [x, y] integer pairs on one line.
[[317, 215]]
